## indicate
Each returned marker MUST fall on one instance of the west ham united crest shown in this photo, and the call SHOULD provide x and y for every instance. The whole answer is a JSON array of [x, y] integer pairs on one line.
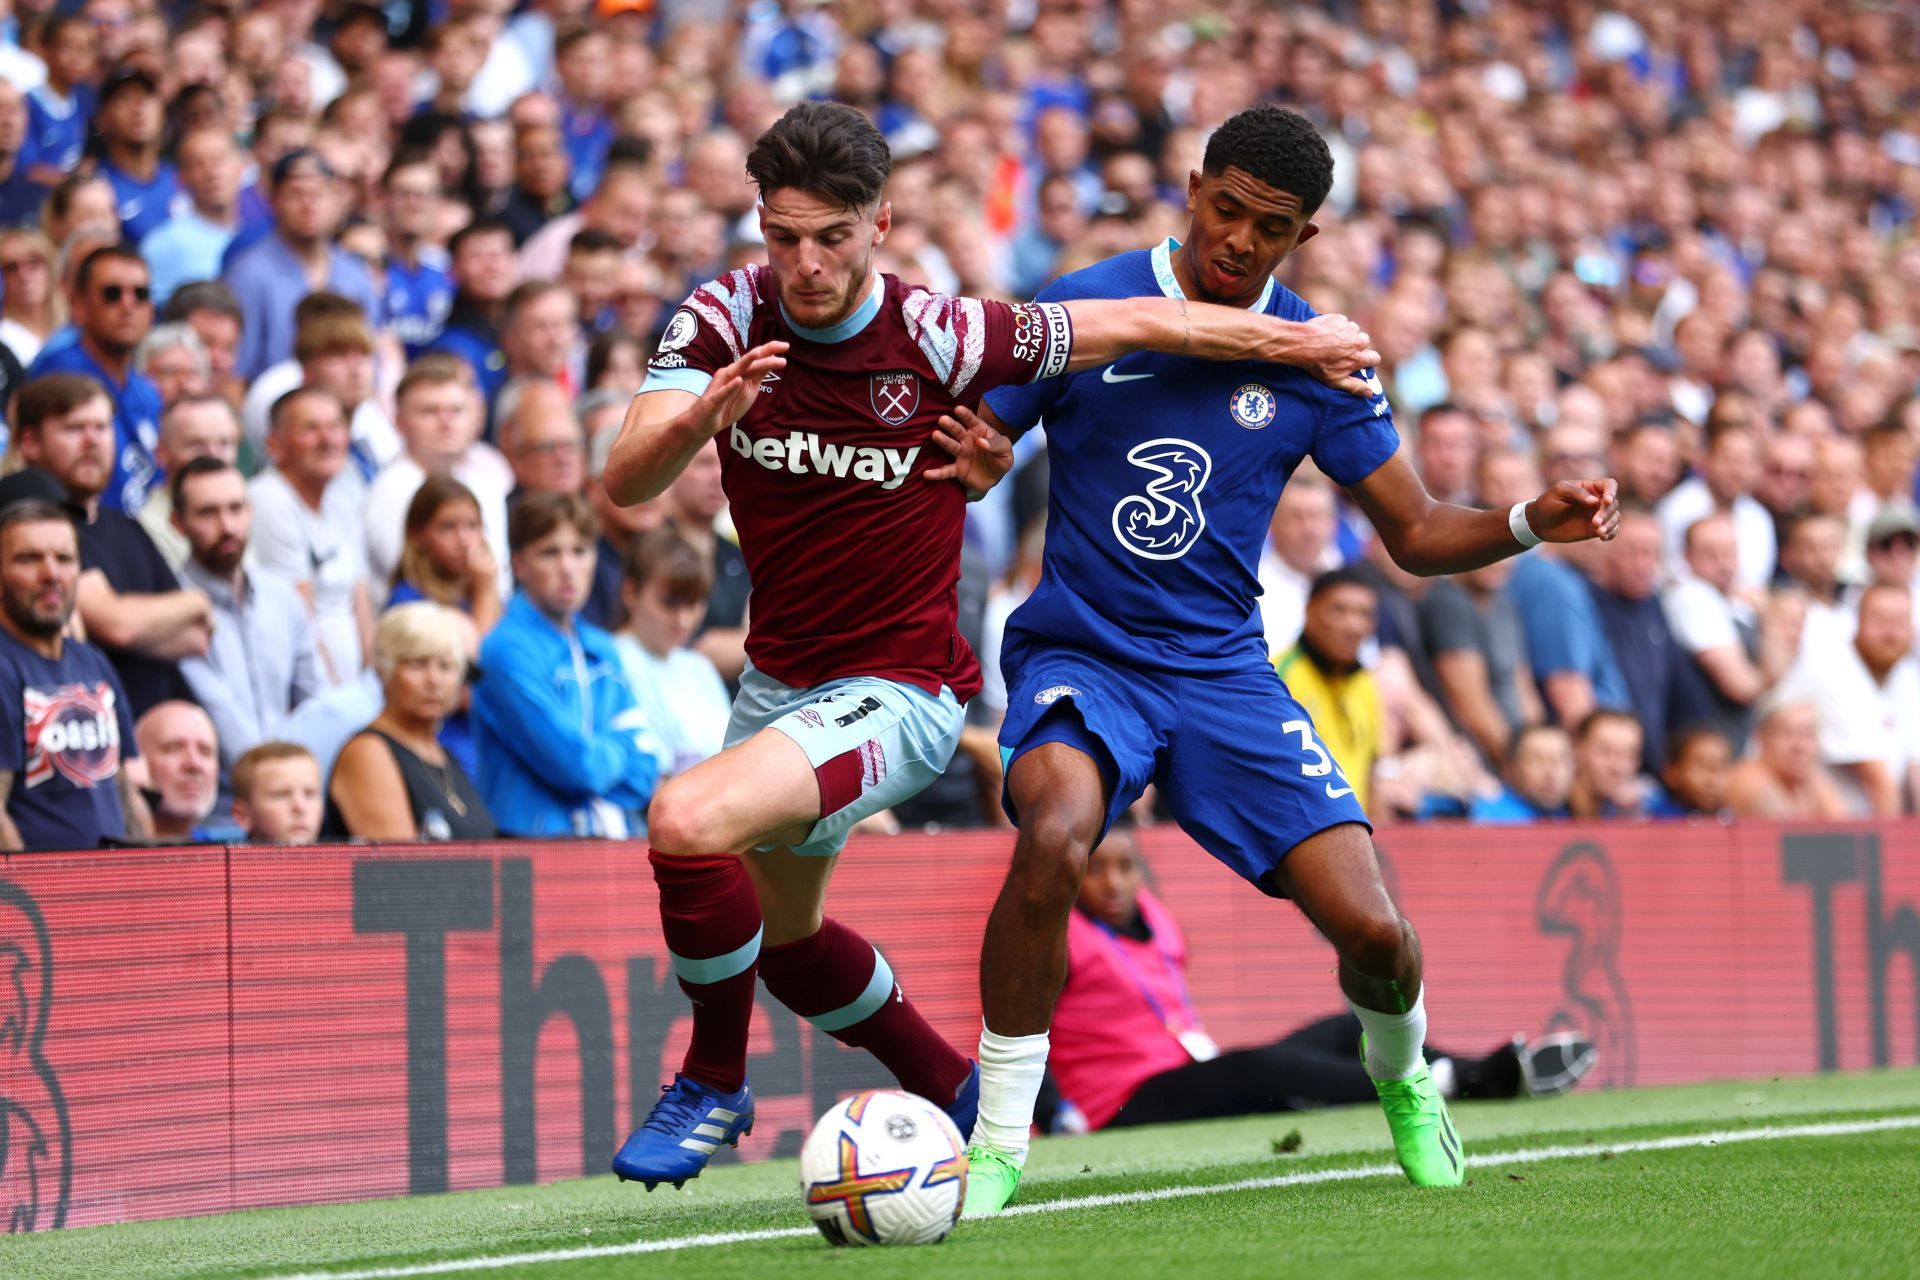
[[895, 396], [1253, 406]]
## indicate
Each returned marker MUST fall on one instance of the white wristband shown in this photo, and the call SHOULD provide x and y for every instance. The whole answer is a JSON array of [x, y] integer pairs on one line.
[[1522, 531]]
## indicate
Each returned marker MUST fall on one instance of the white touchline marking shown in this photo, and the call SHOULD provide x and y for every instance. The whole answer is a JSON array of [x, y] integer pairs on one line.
[[1493, 1160]]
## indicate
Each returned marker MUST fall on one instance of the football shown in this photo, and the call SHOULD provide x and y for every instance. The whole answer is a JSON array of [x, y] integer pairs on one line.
[[884, 1167]]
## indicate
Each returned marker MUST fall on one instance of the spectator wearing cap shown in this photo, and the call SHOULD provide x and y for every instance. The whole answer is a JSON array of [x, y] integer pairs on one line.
[[333, 350], [112, 307], [132, 124], [1324, 674], [542, 173], [182, 751], [60, 111], [208, 308], [564, 749], [309, 525], [128, 598], [1893, 537], [298, 257], [419, 286], [1784, 778], [66, 732], [190, 244], [1539, 779], [1865, 689], [1725, 483], [202, 426], [263, 662], [438, 416], [1299, 547], [602, 414], [484, 273]]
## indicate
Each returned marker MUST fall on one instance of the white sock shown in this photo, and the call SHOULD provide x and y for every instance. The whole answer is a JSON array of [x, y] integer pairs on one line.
[[1393, 1039], [1010, 1072]]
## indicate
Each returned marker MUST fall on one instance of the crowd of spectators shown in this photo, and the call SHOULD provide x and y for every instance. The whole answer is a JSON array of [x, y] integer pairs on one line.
[[318, 319]]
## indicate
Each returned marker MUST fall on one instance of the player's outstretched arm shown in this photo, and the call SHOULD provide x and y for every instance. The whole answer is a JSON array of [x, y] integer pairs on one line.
[[1332, 348], [1428, 537], [664, 429]]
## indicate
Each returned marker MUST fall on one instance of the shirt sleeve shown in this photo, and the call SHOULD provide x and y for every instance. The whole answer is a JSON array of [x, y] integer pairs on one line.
[[708, 332], [1020, 406], [1448, 621], [1698, 621], [1355, 434]]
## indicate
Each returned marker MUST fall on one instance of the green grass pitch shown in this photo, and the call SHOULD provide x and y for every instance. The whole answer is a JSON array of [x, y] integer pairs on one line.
[[1807, 1177]]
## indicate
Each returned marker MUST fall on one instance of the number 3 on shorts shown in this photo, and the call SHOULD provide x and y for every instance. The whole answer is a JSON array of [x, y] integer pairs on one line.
[[1321, 764]]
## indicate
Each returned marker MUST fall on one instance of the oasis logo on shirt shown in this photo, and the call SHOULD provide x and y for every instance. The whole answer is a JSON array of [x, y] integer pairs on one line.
[[803, 453], [72, 730]]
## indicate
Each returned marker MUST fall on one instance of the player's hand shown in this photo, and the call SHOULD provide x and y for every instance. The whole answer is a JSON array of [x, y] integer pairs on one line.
[[1575, 511], [981, 456], [732, 391], [1337, 351]]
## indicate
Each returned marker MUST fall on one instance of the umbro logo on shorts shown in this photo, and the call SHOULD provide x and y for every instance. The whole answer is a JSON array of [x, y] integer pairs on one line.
[[1047, 697]]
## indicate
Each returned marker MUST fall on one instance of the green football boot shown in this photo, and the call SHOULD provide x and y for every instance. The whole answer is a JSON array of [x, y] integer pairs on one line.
[[992, 1178], [1423, 1133]]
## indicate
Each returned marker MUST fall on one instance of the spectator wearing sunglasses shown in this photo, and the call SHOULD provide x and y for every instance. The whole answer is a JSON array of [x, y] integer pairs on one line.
[[112, 304]]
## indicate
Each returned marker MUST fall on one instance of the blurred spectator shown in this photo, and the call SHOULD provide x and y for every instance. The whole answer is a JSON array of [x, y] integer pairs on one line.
[[20, 195], [333, 350], [1469, 624], [484, 273], [602, 415], [295, 258], [1299, 548], [60, 111], [446, 559], [130, 122], [276, 794], [621, 206], [564, 750], [1892, 540], [680, 695], [1663, 686], [540, 336], [394, 780], [593, 278], [1444, 450], [309, 525], [694, 502], [209, 309], [1606, 765], [128, 598], [1714, 622], [1728, 475], [1784, 778], [1810, 565], [1694, 776], [1324, 674], [182, 755], [616, 363], [438, 417], [196, 426], [419, 287], [542, 174], [112, 312], [1865, 689], [66, 734], [541, 438], [173, 358], [1539, 779], [263, 661], [32, 308], [1786, 478]]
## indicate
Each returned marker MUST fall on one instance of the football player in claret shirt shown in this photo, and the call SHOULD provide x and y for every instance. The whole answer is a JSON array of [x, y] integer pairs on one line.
[[822, 381], [1140, 656]]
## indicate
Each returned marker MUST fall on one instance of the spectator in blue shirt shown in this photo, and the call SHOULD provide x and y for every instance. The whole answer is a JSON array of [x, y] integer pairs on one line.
[[189, 246], [20, 196], [132, 122], [485, 272], [112, 303], [60, 111], [269, 278], [1539, 778], [564, 748], [419, 287], [584, 61]]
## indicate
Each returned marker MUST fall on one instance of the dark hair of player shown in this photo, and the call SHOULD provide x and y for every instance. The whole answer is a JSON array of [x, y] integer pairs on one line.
[[1278, 147], [825, 149]]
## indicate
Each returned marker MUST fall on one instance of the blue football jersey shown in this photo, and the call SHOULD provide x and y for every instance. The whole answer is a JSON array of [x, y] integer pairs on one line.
[[1163, 477]]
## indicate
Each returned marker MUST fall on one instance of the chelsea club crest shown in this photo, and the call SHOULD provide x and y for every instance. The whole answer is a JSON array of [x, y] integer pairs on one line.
[[1253, 406]]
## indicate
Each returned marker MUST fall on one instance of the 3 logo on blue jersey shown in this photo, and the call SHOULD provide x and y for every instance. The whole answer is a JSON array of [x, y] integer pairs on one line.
[[1164, 520], [1253, 406]]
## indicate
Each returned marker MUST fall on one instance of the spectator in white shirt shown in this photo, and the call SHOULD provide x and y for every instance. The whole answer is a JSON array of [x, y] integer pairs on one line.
[[1725, 484], [335, 350], [1810, 562], [1866, 689], [680, 693], [1714, 620], [309, 525], [1299, 548], [202, 426]]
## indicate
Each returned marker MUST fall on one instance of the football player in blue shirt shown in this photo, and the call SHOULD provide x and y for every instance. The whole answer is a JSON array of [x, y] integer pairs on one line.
[[1140, 657]]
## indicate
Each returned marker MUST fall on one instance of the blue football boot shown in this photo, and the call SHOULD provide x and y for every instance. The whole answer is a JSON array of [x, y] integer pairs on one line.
[[965, 1107], [683, 1131]]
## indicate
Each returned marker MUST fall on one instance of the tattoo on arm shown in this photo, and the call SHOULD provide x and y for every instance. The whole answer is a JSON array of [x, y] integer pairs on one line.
[[1186, 327]]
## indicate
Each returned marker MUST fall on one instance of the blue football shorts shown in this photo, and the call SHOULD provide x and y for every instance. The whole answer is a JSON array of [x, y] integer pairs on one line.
[[1236, 759]]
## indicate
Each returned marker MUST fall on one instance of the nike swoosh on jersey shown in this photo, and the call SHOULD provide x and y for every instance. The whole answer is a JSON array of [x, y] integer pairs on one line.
[[1108, 375], [1335, 795]]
